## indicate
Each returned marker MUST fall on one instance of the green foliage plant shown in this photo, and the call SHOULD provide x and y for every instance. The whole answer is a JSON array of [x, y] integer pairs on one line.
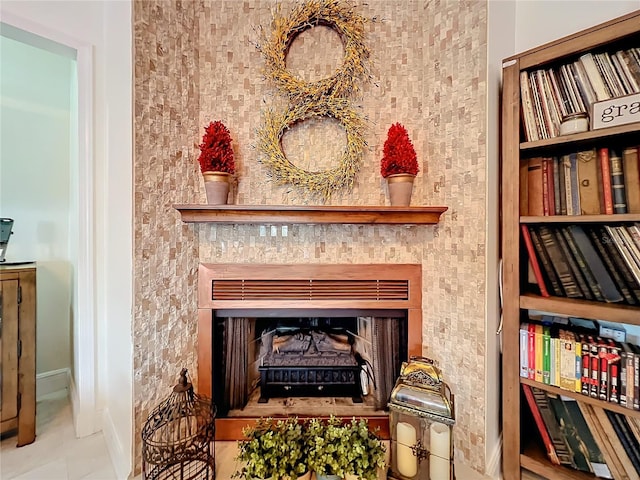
[[366, 452], [329, 446], [273, 449]]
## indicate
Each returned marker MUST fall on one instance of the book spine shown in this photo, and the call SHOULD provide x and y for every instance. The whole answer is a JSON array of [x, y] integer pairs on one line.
[[531, 354], [542, 429], [535, 187], [578, 364], [524, 350], [581, 261], [545, 187], [543, 256], [618, 279], [603, 350], [539, 353], [568, 184], [617, 183], [534, 261], [557, 439], [546, 355], [586, 364], [559, 263], [573, 266], [605, 171], [575, 190], [623, 436], [594, 368], [631, 172]]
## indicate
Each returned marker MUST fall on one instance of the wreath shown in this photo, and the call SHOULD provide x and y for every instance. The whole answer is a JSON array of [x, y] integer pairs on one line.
[[330, 13], [325, 97], [319, 182]]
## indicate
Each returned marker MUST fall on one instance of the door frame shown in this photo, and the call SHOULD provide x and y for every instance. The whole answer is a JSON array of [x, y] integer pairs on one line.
[[83, 378]]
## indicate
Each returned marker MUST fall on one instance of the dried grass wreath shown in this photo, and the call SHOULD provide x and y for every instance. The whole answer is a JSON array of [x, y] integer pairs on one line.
[[334, 14], [321, 183], [325, 97]]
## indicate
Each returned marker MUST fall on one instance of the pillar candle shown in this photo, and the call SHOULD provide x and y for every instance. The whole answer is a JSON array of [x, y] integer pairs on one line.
[[439, 459], [406, 461]]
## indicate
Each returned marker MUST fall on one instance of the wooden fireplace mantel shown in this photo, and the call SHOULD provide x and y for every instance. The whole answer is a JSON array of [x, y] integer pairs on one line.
[[305, 214]]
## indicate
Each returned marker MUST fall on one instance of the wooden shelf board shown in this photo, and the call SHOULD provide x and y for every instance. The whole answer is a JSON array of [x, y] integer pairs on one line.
[[613, 407], [618, 217], [302, 214], [535, 460], [612, 312], [575, 138]]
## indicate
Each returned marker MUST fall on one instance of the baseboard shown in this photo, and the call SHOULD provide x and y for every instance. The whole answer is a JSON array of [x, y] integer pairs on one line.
[[494, 462], [85, 421], [52, 381], [119, 459]]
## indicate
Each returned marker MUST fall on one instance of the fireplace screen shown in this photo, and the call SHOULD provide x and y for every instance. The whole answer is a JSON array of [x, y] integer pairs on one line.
[[356, 358]]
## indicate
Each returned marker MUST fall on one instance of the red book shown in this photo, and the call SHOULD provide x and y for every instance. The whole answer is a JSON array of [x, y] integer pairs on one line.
[[545, 187], [607, 189], [550, 188], [534, 260], [531, 356], [542, 428]]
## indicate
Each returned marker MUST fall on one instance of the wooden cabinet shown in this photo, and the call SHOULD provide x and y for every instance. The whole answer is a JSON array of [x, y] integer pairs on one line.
[[17, 351], [517, 299]]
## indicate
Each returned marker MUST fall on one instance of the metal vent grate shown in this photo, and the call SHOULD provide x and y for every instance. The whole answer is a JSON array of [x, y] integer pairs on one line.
[[310, 290]]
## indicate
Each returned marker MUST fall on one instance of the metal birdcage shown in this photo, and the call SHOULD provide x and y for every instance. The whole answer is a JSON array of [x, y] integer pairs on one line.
[[178, 436]]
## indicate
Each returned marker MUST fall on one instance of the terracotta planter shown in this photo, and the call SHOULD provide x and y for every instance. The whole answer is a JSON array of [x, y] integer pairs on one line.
[[400, 189], [305, 476], [217, 186]]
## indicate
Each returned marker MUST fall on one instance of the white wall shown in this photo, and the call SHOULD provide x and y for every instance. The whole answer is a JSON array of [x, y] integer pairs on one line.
[[36, 112], [102, 29], [541, 21]]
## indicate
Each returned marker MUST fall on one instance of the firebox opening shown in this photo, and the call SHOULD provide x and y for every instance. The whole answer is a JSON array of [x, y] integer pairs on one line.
[[344, 365]]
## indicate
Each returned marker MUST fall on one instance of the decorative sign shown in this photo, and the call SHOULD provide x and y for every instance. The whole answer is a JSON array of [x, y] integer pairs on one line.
[[616, 111]]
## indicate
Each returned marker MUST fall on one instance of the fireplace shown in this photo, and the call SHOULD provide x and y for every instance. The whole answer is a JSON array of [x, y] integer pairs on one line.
[[274, 338]]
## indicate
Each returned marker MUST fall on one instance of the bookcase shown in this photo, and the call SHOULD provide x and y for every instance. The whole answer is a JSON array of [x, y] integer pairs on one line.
[[518, 296]]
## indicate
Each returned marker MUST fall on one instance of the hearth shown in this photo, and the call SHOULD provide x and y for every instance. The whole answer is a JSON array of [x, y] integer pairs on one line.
[[304, 339]]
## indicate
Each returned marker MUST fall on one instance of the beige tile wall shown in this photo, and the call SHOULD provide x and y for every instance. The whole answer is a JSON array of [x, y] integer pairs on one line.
[[197, 62]]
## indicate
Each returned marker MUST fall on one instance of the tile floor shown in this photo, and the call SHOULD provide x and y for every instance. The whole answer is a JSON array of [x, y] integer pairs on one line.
[[58, 455]]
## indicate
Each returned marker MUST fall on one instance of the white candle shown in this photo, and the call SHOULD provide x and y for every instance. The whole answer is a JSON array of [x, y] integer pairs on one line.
[[439, 459], [406, 461]]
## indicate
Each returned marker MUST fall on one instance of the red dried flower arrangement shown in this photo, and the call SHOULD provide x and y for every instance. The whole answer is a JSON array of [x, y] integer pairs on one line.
[[399, 156], [216, 154]]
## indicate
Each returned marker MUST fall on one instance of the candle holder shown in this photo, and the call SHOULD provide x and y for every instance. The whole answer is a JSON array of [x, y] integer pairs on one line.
[[421, 419]]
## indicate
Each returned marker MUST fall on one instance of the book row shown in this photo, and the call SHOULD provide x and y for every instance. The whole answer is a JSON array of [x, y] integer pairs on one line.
[[585, 437], [552, 94], [569, 353], [587, 182], [591, 262]]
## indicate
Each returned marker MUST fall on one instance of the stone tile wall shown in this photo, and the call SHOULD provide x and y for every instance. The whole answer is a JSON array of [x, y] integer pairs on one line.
[[197, 62]]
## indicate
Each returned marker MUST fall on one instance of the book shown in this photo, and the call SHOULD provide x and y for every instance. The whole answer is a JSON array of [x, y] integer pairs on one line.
[[605, 242], [535, 187], [625, 253], [608, 450], [524, 188], [527, 113], [585, 269], [569, 184], [605, 175], [534, 261], [626, 439], [593, 75], [568, 379], [556, 186], [543, 430], [617, 183], [588, 182], [577, 450], [585, 437], [603, 280], [571, 261], [524, 350], [545, 260], [624, 461], [560, 265]]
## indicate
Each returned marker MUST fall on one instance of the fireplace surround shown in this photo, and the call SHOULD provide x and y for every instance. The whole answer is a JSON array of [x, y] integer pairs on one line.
[[310, 290]]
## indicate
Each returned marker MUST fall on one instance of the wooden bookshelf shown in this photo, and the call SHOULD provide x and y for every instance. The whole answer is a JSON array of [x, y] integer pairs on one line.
[[519, 451]]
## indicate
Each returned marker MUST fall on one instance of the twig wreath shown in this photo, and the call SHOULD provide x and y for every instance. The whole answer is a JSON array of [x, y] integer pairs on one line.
[[330, 13], [323, 182], [326, 97]]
